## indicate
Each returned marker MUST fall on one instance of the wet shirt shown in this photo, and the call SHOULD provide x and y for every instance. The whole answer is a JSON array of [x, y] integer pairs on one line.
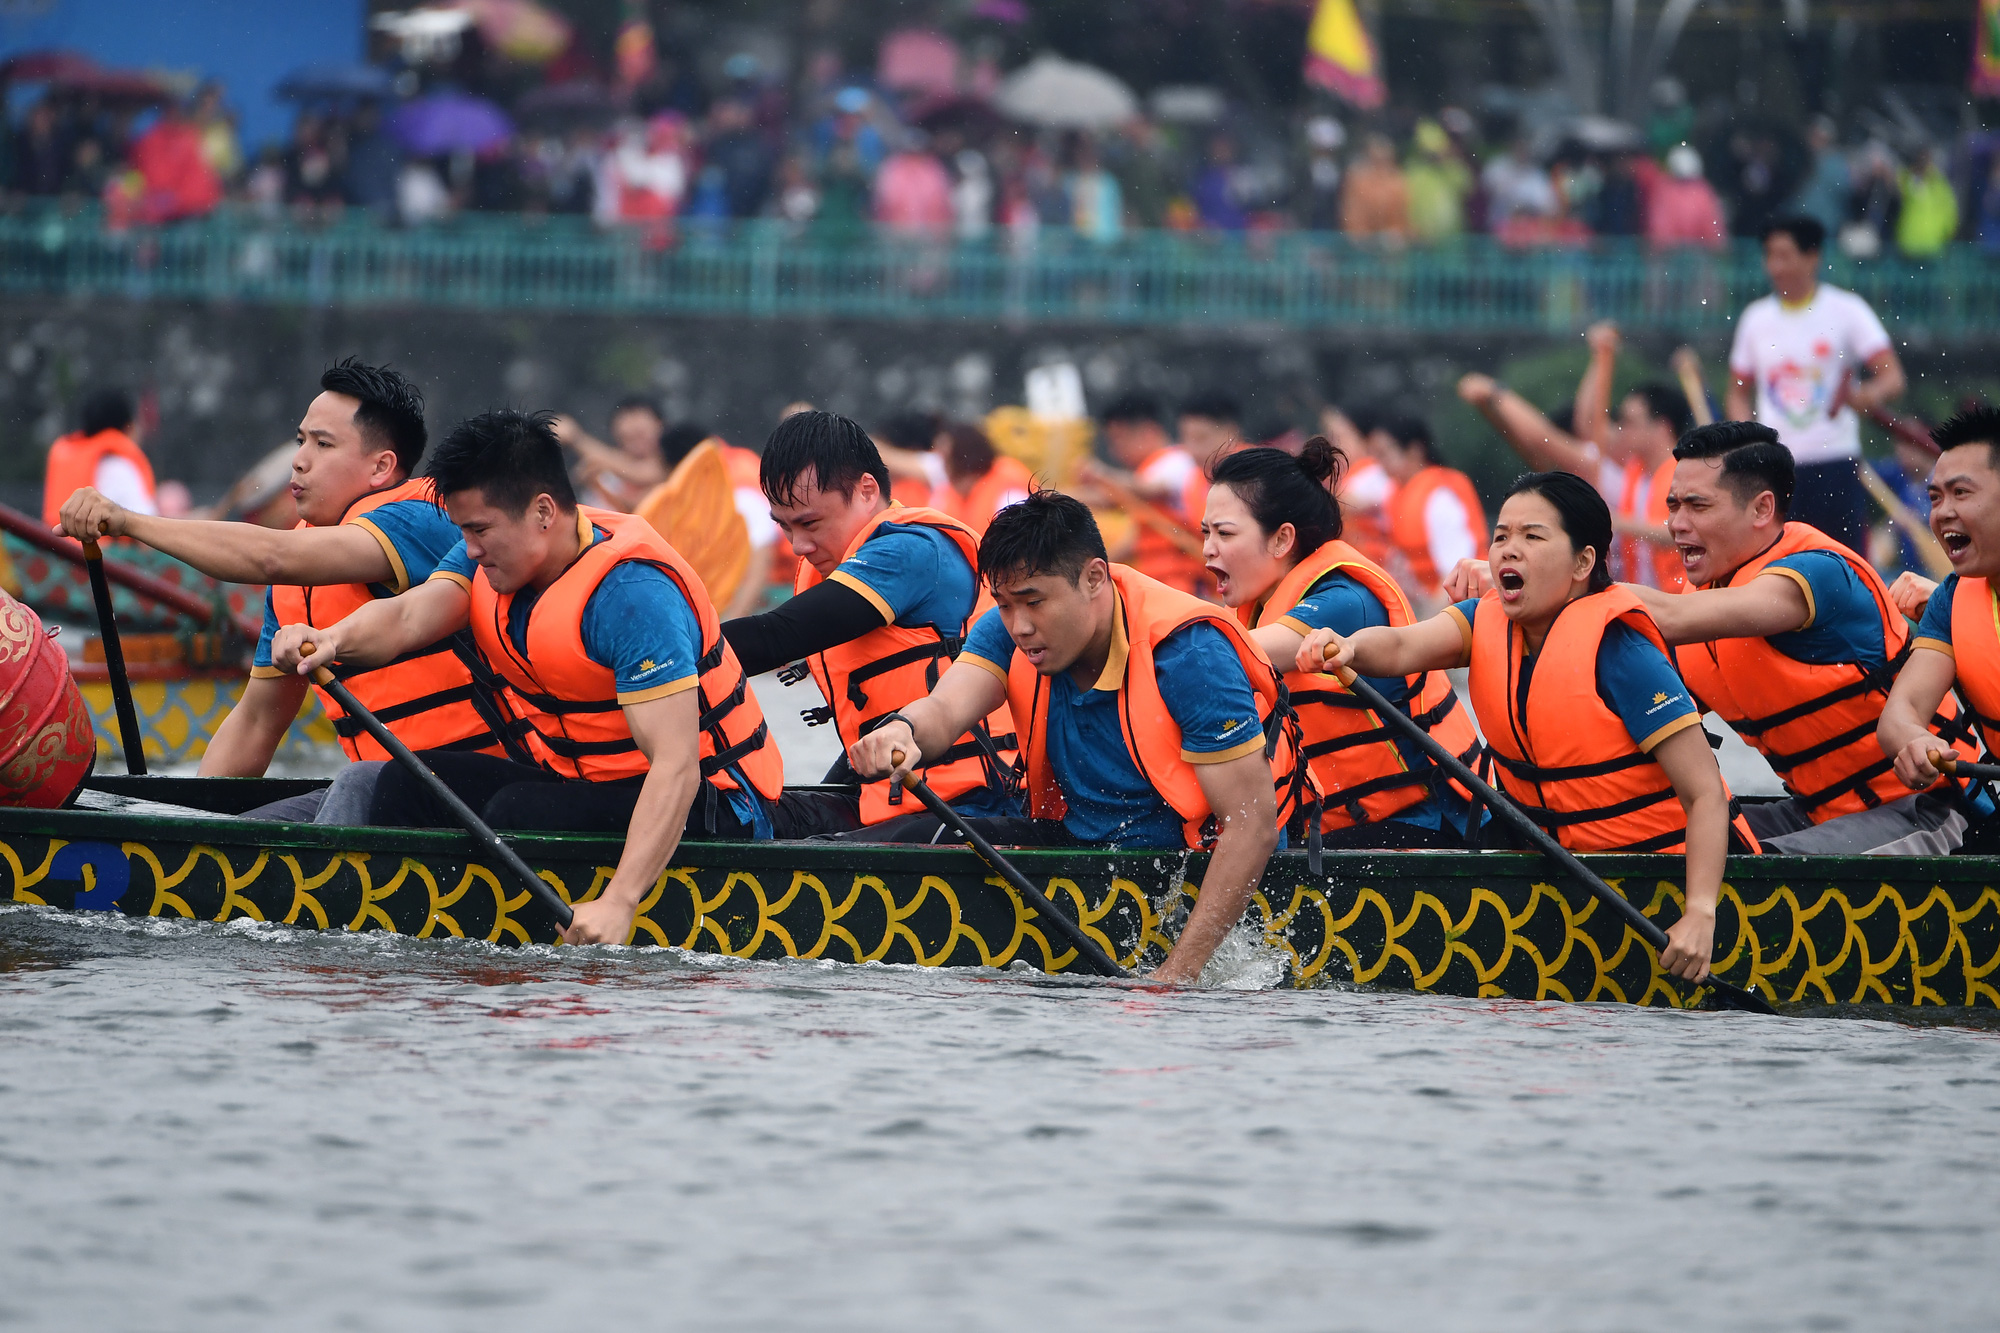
[[915, 576], [1207, 694], [1842, 624]]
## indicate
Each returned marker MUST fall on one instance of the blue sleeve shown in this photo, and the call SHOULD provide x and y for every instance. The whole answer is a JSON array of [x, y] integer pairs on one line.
[[1340, 603], [1846, 625], [417, 532], [456, 561], [915, 575], [1936, 624], [638, 624], [1207, 693], [989, 640], [1642, 687], [264, 636], [1469, 608]]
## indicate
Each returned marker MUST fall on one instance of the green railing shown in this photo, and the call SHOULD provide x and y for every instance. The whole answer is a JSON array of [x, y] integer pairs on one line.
[[1298, 280]]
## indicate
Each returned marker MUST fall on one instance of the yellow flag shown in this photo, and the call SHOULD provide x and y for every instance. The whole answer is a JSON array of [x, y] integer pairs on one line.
[[1340, 55]]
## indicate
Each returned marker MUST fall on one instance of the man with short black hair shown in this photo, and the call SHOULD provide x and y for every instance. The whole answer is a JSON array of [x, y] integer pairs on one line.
[[367, 530], [1792, 639], [1210, 421], [620, 474], [1147, 717], [1797, 363], [609, 659], [1957, 643]]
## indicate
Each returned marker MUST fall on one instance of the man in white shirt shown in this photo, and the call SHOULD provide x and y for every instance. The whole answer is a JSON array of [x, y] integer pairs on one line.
[[1797, 362]]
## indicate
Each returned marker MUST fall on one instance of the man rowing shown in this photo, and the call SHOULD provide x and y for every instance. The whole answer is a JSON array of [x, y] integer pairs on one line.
[[884, 594], [610, 661], [1957, 643], [1435, 518], [367, 530], [1594, 735], [1147, 716], [1792, 639]]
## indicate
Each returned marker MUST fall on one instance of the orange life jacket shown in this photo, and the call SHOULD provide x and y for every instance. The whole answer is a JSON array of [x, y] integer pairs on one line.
[[976, 507], [1815, 724], [1411, 535], [1154, 553], [743, 464], [891, 667], [1975, 646], [1669, 572], [1352, 753], [1365, 527], [567, 705], [428, 698], [73, 461], [1151, 611], [913, 492], [1563, 755]]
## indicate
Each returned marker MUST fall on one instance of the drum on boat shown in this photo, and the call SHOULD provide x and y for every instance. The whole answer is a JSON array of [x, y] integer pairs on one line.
[[47, 744]]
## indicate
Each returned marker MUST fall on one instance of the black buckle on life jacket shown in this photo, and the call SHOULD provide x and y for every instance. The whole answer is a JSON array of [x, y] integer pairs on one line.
[[817, 717], [793, 674]]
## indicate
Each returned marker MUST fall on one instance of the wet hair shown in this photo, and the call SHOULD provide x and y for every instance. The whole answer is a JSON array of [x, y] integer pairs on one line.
[[637, 402], [104, 409], [1975, 425], [970, 453], [391, 411], [1409, 430], [1752, 460], [915, 431], [1664, 402], [834, 449], [677, 442], [1278, 489], [1213, 405], [510, 457], [1585, 518], [1047, 533], [1131, 408], [1808, 233]]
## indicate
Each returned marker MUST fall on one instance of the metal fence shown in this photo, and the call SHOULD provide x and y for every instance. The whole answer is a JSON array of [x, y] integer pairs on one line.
[[767, 270]]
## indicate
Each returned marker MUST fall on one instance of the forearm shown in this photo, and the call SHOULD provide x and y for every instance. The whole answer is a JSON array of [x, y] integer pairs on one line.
[[824, 615], [231, 552], [383, 631], [242, 747], [1738, 403], [1280, 643], [655, 831], [1593, 399], [1900, 723], [1538, 440], [1381, 651], [1707, 847], [1234, 869]]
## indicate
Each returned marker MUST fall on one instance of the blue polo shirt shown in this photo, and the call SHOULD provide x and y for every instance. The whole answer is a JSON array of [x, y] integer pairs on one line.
[[1207, 694], [915, 576], [413, 533], [1843, 622], [1934, 630]]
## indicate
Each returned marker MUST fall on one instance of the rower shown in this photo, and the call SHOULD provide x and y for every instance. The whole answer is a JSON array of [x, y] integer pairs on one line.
[[1163, 474], [1957, 643], [980, 481], [1209, 426], [1144, 714], [611, 660], [883, 595], [1435, 518], [1594, 735], [102, 455], [618, 475], [367, 530], [1273, 539], [1792, 639]]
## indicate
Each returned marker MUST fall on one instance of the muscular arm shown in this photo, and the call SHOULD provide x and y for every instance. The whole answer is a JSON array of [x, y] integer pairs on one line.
[[667, 735], [1767, 605], [238, 552], [1239, 792], [1380, 651], [1904, 731], [1690, 765], [1593, 395], [379, 632], [967, 693], [243, 745], [825, 614]]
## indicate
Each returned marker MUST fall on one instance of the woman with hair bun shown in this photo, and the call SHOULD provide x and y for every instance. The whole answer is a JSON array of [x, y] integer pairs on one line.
[[1272, 540], [1592, 731]]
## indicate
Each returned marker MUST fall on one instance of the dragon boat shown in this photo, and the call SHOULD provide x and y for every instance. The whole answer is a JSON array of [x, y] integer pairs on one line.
[[1810, 931]]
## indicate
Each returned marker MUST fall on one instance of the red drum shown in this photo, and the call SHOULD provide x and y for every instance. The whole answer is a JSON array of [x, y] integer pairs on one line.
[[47, 744]]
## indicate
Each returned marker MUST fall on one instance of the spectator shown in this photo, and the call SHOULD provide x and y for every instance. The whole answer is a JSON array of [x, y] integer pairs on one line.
[[795, 197], [374, 161], [175, 178], [972, 195], [1439, 182], [1877, 200], [312, 177], [1684, 208], [1829, 185], [743, 154], [41, 153], [913, 192], [1096, 206], [1517, 188], [1320, 209], [1146, 174], [850, 151], [1929, 217], [219, 144], [1620, 206], [1215, 201], [264, 187], [1759, 182], [644, 178], [1376, 200]]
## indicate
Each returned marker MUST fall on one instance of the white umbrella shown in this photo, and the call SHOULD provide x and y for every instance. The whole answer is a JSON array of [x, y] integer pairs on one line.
[[1049, 90]]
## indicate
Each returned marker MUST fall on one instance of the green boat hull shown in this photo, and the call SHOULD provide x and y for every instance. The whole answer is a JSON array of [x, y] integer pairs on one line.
[[1813, 931]]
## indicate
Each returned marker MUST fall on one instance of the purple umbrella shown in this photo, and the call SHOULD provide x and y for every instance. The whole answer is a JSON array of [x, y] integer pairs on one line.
[[450, 123]]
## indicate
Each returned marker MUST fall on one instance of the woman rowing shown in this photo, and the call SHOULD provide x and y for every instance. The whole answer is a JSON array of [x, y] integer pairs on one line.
[[1271, 537], [1595, 736]]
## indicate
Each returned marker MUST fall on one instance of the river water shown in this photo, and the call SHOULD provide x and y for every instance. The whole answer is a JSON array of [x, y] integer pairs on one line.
[[246, 1127]]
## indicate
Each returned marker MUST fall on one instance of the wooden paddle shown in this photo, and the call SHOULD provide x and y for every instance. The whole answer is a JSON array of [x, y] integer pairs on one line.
[[1072, 933], [1944, 761], [1733, 996], [1142, 510], [1687, 366], [114, 661], [1919, 532], [536, 886]]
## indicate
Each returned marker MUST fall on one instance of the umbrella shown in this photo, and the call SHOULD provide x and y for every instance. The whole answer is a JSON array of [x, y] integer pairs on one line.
[[1590, 134], [47, 67], [79, 73], [518, 30], [450, 123], [971, 116], [1051, 91], [576, 103], [332, 83]]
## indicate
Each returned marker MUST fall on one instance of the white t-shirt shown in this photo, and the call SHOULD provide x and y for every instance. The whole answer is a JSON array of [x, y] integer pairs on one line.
[[1797, 359], [1173, 468], [1448, 530], [123, 484]]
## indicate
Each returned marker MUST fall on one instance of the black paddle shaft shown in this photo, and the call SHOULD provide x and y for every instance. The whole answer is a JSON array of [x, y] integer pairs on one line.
[[1071, 932], [1946, 762], [1733, 996], [114, 662], [486, 837]]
